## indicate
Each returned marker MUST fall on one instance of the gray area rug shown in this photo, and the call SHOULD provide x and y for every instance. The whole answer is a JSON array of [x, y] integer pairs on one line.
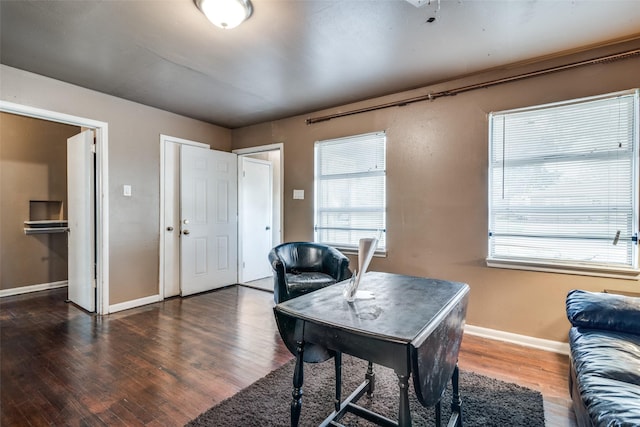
[[486, 401]]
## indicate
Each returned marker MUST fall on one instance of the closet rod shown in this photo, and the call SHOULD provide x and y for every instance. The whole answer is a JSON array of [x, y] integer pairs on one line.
[[452, 92]]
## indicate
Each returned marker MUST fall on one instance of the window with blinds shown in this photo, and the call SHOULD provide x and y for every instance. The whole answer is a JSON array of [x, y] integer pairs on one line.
[[350, 190], [563, 184]]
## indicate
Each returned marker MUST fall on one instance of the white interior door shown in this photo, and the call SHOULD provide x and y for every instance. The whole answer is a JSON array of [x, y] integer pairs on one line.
[[209, 219], [81, 220], [256, 209]]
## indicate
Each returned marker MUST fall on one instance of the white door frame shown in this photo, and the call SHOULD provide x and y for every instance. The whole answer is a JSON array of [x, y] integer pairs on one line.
[[165, 140], [255, 150], [102, 187]]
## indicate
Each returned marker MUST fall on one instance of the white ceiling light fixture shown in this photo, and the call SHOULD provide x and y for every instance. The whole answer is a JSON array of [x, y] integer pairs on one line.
[[225, 14]]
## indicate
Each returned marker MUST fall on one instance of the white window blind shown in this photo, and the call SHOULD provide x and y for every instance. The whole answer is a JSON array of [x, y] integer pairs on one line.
[[563, 183], [350, 193]]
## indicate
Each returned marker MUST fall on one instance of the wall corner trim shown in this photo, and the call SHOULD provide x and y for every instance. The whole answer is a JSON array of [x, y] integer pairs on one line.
[[134, 303], [524, 340]]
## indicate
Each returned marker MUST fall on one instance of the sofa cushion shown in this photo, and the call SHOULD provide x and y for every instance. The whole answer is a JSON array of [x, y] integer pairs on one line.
[[606, 354], [603, 311], [607, 373], [611, 403]]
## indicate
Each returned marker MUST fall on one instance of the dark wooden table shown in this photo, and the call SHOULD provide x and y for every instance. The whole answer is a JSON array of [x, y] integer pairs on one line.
[[413, 325]]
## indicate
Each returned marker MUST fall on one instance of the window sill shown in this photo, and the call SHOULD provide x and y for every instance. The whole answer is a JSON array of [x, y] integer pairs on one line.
[[352, 251], [577, 269]]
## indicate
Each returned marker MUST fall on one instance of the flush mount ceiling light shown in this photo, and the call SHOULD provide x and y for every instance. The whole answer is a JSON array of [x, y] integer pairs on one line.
[[225, 14]]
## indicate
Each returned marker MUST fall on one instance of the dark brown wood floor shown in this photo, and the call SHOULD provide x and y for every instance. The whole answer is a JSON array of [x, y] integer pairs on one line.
[[165, 363]]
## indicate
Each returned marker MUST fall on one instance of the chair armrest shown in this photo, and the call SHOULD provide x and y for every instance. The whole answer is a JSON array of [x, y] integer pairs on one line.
[[596, 310], [280, 290], [276, 263]]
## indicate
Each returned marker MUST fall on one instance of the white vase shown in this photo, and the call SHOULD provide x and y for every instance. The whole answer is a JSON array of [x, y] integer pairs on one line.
[[366, 249]]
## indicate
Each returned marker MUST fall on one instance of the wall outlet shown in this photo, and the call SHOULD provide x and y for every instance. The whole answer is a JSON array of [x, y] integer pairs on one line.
[[298, 194]]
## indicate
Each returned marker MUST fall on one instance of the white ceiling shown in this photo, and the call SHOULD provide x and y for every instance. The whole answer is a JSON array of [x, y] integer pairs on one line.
[[292, 56]]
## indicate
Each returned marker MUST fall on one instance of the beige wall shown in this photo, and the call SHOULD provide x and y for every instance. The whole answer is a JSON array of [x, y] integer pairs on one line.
[[437, 186], [33, 166], [134, 159]]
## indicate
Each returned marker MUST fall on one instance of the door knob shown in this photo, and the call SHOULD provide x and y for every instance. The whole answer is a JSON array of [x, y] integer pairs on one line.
[[169, 228], [185, 232], [267, 228]]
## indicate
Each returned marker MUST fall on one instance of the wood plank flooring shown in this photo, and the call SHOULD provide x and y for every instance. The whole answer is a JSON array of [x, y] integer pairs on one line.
[[165, 363]]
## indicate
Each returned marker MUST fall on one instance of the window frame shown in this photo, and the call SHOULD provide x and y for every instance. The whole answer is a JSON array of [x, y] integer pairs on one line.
[[568, 266], [343, 247]]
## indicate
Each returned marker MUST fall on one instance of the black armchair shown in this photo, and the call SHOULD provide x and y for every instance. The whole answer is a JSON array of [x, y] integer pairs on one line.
[[302, 267]]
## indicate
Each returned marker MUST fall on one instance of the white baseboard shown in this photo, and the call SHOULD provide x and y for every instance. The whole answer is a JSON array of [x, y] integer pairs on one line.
[[32, 288], [527, 341], [134, 303]]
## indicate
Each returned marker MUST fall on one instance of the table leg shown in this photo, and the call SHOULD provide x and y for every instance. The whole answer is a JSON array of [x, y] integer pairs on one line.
[[404, 415], [298, 379], [372, 379], [338, 364], [456, 400]]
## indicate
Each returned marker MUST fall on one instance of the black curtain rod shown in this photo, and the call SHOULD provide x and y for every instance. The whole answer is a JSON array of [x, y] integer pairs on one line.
[[452, 92]]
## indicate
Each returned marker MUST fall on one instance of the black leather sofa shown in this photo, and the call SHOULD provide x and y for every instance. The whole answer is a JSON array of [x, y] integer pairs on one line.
[[604, 339]]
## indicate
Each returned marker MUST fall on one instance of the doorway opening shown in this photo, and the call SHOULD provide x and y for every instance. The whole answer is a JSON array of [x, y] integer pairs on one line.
[[260, 184], [266, 161], [100, 234], [199, 218]]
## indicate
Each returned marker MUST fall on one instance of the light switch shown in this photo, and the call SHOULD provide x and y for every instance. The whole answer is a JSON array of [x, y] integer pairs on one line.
[[126, 190], [298, 194]]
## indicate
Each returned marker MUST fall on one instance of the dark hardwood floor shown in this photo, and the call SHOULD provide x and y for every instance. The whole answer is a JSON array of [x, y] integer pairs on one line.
[[165, 363]]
